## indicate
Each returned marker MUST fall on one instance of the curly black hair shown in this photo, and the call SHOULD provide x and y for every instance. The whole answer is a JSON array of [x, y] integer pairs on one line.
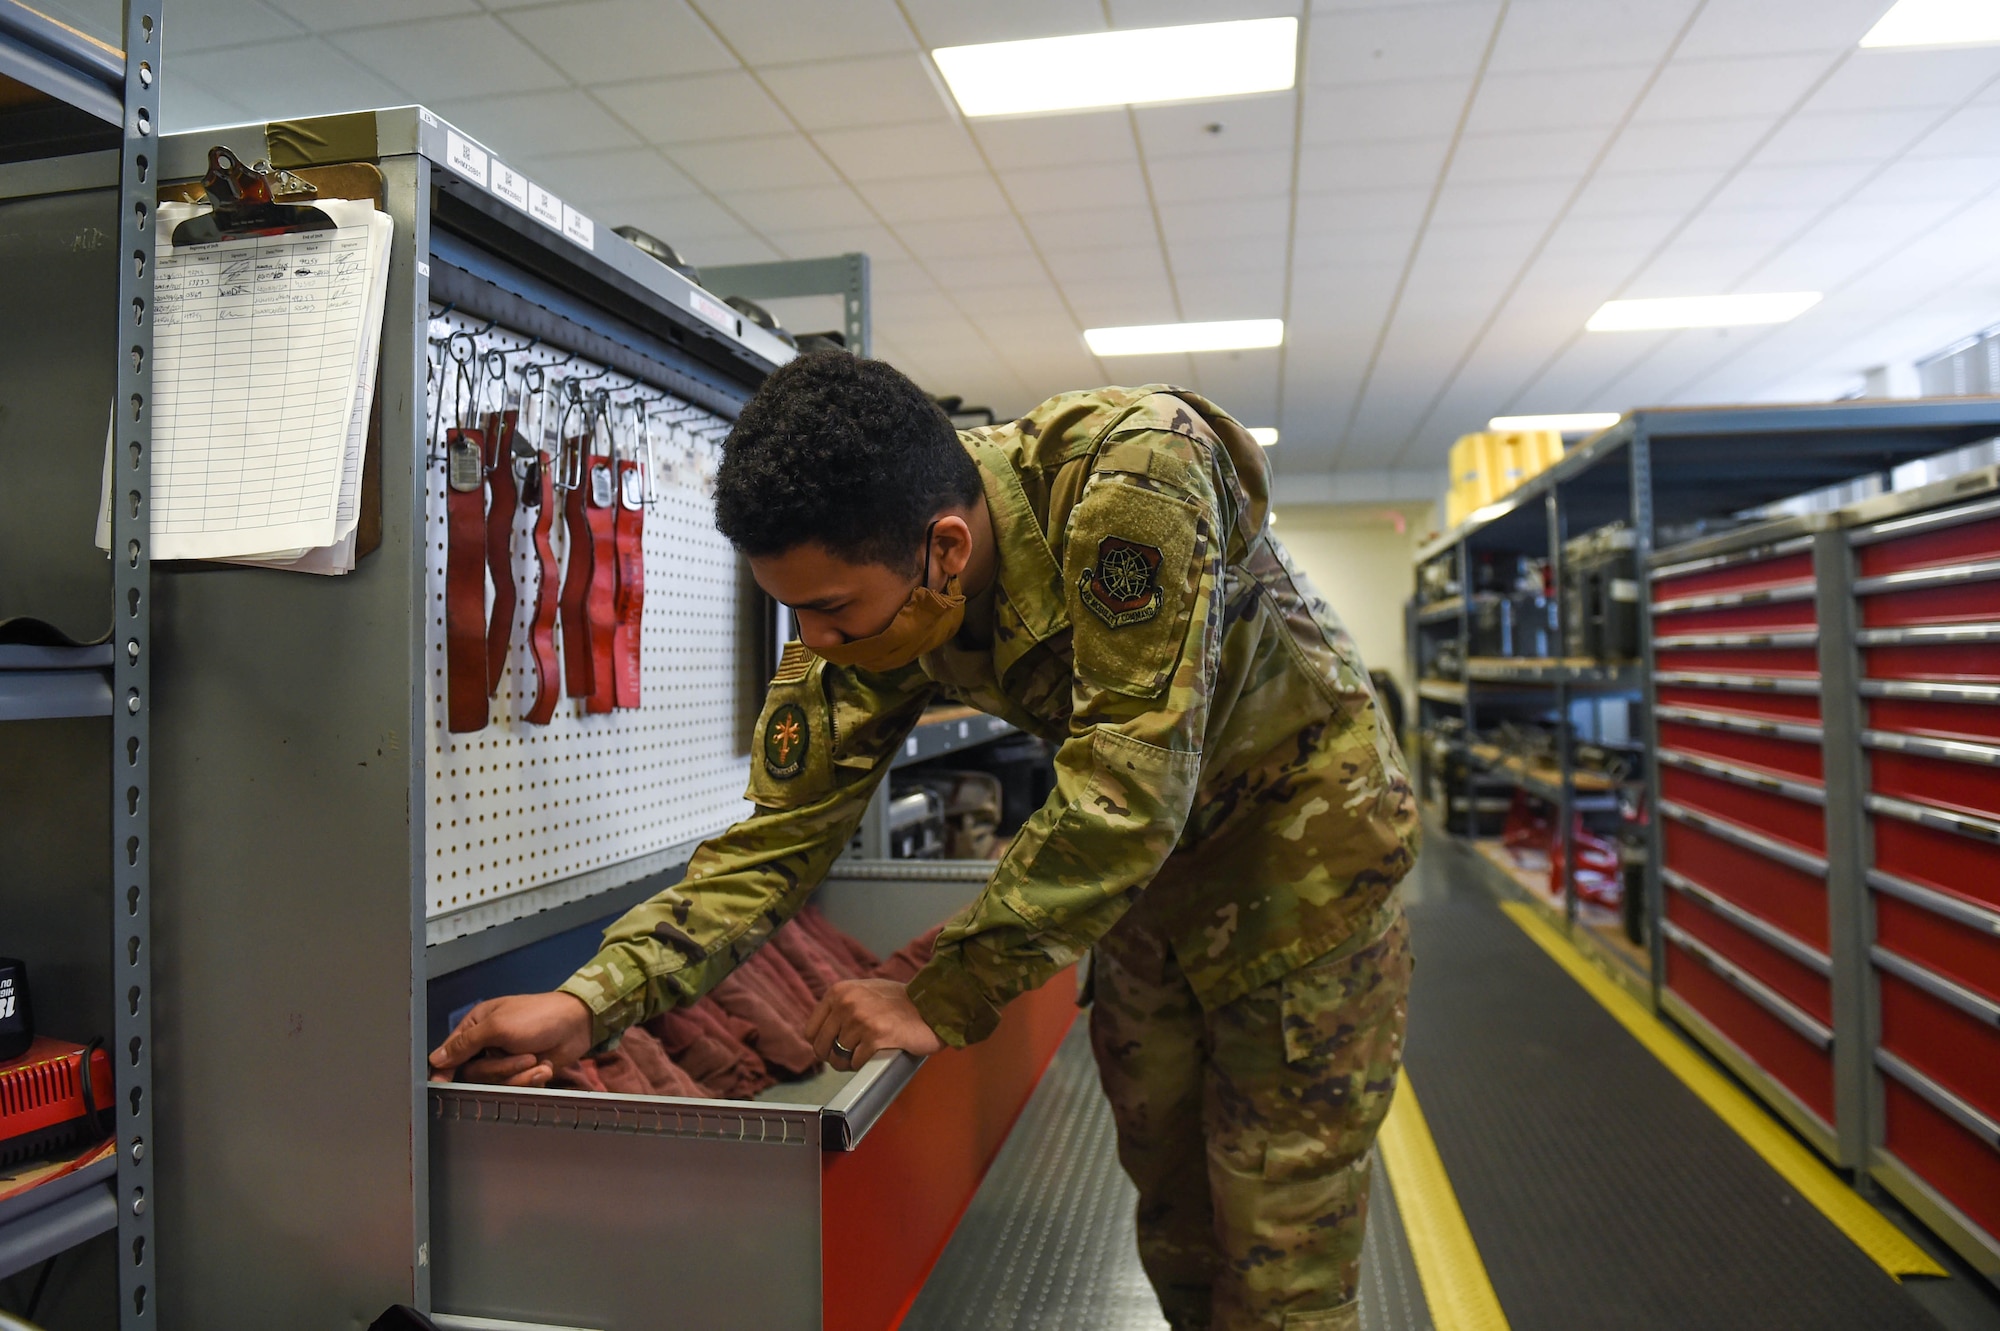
[[844, 452]]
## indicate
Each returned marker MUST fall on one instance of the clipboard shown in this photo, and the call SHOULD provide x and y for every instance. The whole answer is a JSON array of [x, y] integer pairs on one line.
[[253, 202]]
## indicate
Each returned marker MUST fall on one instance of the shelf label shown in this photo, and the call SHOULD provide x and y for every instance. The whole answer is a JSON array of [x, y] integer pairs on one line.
[[579, 228], [510, 184], [465, 157], [714, 311], [544, 207]]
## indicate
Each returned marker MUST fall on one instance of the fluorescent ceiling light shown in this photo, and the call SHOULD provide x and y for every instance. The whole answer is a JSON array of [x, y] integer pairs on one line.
[[1137, 65], [1264, 434], [1774, 307], [1581, 422], [1937, 23], [1155, 339]]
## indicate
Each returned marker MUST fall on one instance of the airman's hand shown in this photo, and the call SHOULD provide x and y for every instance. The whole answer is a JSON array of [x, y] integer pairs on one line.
[[521, 1040], [866, 1017]]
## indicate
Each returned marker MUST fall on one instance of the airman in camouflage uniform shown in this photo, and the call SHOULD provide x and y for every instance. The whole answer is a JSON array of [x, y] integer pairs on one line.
[[1230, 819]]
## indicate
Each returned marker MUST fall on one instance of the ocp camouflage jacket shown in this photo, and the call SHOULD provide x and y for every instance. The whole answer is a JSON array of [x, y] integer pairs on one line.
[[1222, 766]]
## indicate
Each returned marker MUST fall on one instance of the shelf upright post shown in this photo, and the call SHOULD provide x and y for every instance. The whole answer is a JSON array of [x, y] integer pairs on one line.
[[1640, 463], [1465, 683], [1565, 746], [1850, 922], [131, 548]]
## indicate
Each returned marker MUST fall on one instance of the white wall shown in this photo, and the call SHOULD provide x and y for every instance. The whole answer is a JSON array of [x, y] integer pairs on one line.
[[1363, 565]]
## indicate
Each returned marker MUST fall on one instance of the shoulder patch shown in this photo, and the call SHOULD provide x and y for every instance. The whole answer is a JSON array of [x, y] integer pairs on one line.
[[794, 664], [1123, 585], [787, 737]]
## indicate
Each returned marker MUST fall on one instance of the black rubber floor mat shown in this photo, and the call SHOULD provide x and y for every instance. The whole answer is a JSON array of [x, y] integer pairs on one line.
[[1600, 1191]]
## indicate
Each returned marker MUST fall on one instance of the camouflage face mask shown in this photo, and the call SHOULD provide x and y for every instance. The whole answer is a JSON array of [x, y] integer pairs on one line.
[[926, 622]]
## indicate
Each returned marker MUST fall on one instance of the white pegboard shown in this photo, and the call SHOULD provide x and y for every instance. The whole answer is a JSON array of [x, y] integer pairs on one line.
[[516, 806]]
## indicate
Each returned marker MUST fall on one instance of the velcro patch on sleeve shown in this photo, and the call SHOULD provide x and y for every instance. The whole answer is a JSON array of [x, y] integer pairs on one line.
[[1129, 565]]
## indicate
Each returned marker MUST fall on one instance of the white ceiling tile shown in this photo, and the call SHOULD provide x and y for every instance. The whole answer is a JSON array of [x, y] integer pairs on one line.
[[1091, 228], [185, 106], [1462, 204], [1240, 295], [766, 163], [1764, 27], [1360, 210], [1845, 136], [1759, 187], [1374, 112], [1338, 167], [1972, 132], [1953, 178], [901, 152], [1398, 42], [1019, 300], [1572, 35], [615, 41], [626, 173], [220, 23], [1512, 103], [740, 249], [1112, 185], [799, 209], [861, 90], [1689, 146], [898, 275], [1101, 303], [1549, 155], [966, 237], [955, 23], [1264, 220], [696, 108], [1065, 140], [298, 77], [1136, 370], [935, 198], [1682, 271], [821, 30], [1630, 235], [1718, 89], [1138, 261], [1227, 258], [1762, 226], [1388, 250], [320, 17], [1247, 124], [984, 269], [533, 123], [1496, 248], [1643, 193], [1888, 80], [874, 241], [1167, 13], [446, 58], [683, 222], [1190, 180]]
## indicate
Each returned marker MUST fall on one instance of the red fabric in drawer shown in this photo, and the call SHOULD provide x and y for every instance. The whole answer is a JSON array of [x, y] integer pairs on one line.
[[1943, 720], [1744, 702], [1937, 858], [1757, 617], [1949, 545], [1771, 1045], [1962, 1168], [1968, 662], [1803, 985], [1788, 757], [1967, 787], [1955, 951], [1802, 824], [1793, 900], [1967, 603], [1799, 662], [1795, 567], [1950, 1046]]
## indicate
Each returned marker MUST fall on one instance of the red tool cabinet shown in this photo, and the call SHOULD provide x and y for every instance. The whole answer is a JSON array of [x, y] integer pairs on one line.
[[1745, 923], [1927, 610]]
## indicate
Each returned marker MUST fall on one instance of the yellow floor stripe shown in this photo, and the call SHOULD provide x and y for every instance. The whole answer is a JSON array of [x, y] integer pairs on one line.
[[1449, 1267], [1890, 1248]]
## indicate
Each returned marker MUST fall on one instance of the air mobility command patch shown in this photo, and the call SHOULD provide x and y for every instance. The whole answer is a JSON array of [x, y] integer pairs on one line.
[[786, 738], [1123, 587]]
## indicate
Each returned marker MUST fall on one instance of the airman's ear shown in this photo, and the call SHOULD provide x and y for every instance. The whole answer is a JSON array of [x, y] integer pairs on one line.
[[951, 545]]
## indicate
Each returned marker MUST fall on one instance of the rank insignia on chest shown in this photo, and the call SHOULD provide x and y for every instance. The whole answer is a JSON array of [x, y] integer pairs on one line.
[[1124, 585], [786, 736]]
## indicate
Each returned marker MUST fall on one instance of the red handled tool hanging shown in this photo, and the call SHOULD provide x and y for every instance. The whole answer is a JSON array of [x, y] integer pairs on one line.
[[465, 550], [600, 600], [538, 493], [500, 426], [634, 480], [575, 487]]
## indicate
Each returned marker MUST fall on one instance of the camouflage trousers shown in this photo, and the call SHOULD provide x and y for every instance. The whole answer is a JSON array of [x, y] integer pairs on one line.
[[1247, 1129]]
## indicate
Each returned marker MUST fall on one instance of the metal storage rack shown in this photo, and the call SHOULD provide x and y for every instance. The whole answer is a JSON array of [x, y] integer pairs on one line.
[[1820, 694], [78, 142]]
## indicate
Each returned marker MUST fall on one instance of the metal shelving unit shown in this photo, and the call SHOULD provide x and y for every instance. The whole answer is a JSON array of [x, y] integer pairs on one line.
[[82, 113]]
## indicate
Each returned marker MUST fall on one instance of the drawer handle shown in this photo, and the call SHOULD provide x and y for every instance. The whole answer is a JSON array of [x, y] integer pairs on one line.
[[1951, 750], [1769, 847], [1755, 554], [1791, 591], [1942, 1100], [1918, 635], [1936, 520], [1755, 683], [1937, 986], [1939, 691], [1913, 579], [1693, 762], [1952, 908], [1926, 815], [1803, 953], [1801, 638], [1749, 725], [1800, 1021]]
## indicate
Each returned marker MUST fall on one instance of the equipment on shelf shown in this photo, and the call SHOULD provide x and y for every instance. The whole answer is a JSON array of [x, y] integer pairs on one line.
[[17, 1013], [1601, 596], [1437, 580], [655, 248], [56, 1097], [916, 824]]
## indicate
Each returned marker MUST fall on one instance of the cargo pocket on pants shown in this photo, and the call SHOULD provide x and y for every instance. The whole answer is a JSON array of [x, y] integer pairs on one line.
[[1347, 1317]]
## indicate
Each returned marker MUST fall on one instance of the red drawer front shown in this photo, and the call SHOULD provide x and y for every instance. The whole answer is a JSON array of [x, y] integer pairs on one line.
[[1950, 1046], [1941, 720], [1787, 757], [1966, 603], [1790, 898], [1780, 816], [1800, 662], [1790, 1059], [1776, 572], [1967, 787], [1935, 858], [1962, 1168], [1945, 947], [1759, 617], [1744, 702], [1967, 662], [1803, 985], [1950, 545]]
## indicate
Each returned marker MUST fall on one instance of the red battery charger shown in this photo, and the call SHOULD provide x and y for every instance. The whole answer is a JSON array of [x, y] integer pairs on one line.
[[54, 1098]]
